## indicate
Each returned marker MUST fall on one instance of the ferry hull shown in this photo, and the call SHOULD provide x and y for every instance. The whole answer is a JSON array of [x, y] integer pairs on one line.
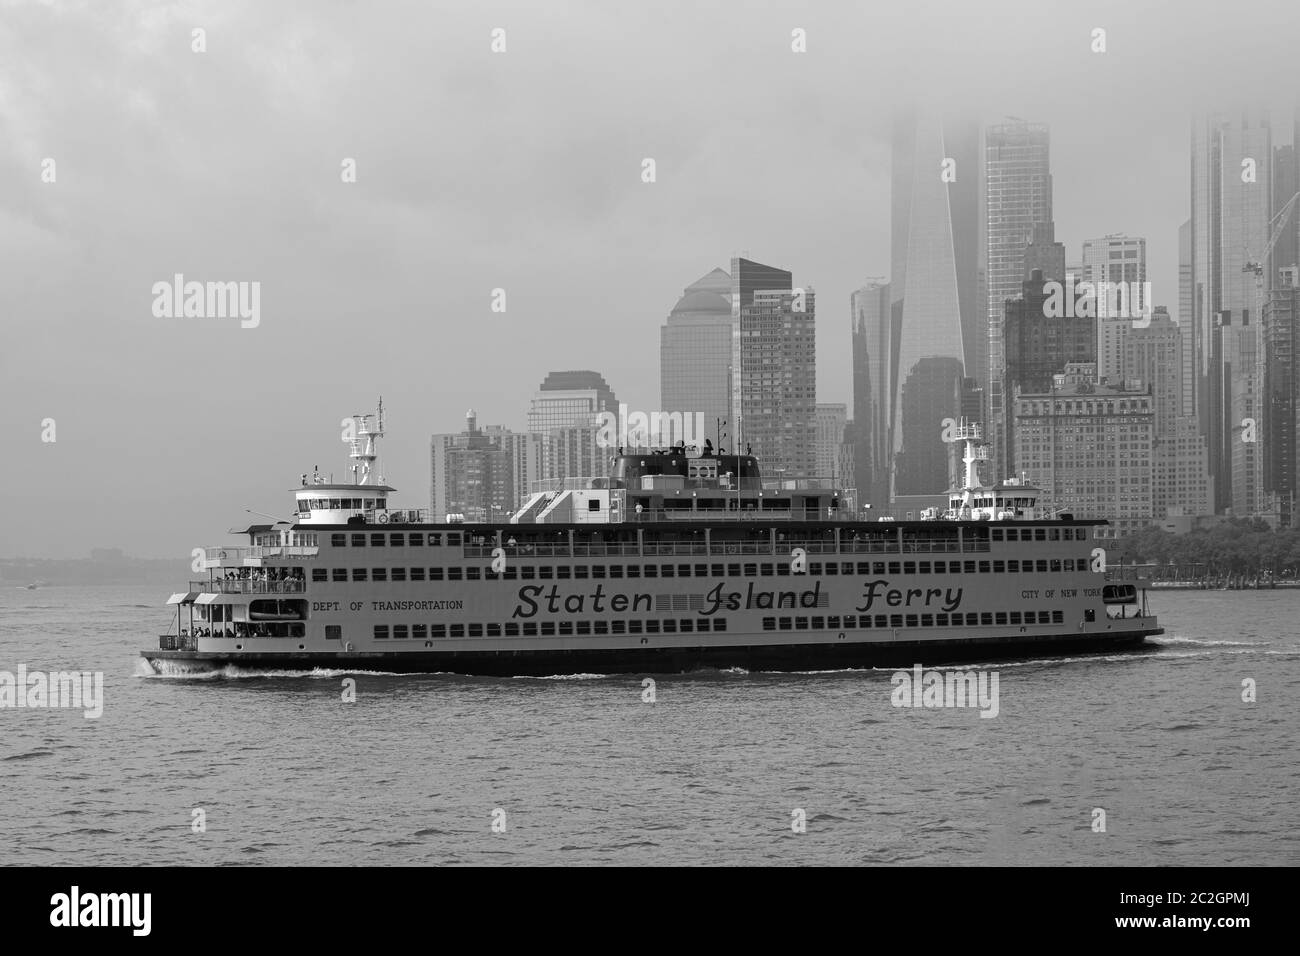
[[669, 660]]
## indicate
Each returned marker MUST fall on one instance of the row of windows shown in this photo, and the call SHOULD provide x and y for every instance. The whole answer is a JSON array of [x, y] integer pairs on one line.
[[395, 539], [417, 539], [419, 632], [851, 622], [528, 572]]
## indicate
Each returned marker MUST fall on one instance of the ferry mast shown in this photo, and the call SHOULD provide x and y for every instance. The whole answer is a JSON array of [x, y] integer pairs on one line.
[[363, 447]]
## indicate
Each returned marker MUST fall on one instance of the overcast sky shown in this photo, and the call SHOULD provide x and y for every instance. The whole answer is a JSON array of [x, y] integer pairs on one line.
[[475, 171]]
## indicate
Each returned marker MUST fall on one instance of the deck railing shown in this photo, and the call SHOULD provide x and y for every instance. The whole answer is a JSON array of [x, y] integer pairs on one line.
[[244, 586]]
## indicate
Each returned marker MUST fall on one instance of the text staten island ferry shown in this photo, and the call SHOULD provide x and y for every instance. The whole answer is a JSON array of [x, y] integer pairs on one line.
[[675, 561]]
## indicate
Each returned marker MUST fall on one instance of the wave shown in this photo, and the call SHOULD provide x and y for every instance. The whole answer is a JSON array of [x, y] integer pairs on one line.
[[1164, 641], [188, 670]]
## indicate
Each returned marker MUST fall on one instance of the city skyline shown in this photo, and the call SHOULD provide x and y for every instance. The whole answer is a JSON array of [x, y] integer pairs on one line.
[[155, 177]]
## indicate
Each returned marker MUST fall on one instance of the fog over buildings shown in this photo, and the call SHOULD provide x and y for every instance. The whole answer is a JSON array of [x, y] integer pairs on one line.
[[127, 157]]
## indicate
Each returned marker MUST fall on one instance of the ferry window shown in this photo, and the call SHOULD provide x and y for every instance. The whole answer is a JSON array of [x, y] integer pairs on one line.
[[336, 504], [846, 567], [832, 567], [453, 539], [851, 621], [399, 574], [398, 540], [634, 627], [1058, 617], [1055, 565], [476, 630], [1040, 534], [339, 574], [997, 534], [652, 570], [894, 567], [562, 572], [954, 567], [1044, 617], [941, 620], [927, 620], [399, 632], [814, 567], [600, 627], [338, 540], [819, 623], [318, 575], [471, 574], [783, 570], [1068, 564], [801, 623], [909, 567], [418, 631], [911, 620], [417, 574], [1026, 567], [986, 618], [1000, 617], [895, 620], [765, 570], [494, 630], [379, 574], [972, 619], [438, 630], [1015, 617], [702, 570], [634, 570], [787, 623], [880, 621], [333, 632], [652, 627], [358, 574], [597, 570], [584, 628], [530, 628], [358, 541], [511, 573], [381, 502], [1042, 566], [684, 571], [435, 540], [666, 571], [377, 540], [435, 574], [453, 574], [512, 629], [984, 567], [415, 540], [457, 630], [751, 570], [381, 632], [923, 567], [1054, 534], [999, 567], [1089, 615], [720, 624], [616, 570], [548, 628], [686, 625], [1013, 566], [580, 571], [566, 628], [593, 504], [617, 627], [769, 624], [968, 567]]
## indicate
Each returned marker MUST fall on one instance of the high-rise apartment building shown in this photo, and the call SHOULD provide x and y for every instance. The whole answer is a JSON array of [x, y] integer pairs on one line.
[[1116, 266], [831, 420]]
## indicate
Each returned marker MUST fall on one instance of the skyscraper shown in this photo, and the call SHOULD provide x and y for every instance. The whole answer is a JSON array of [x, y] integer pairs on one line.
[[1017, 194], [1120, 262], [831, 419], [473, 474], [1186, 318], [1231, 202], [695, 353], [566, 409], [936, 330], [873, 363], [774, 393]]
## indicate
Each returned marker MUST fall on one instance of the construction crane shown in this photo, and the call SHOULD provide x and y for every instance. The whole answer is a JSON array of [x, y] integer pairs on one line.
[[1277, 224]]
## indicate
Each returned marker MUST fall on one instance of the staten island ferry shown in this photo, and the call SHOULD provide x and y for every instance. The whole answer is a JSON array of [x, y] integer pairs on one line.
[[679, 559]]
